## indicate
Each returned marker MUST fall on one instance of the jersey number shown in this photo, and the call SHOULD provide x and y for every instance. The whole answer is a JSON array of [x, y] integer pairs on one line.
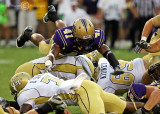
[[47, 79], [126, 78]]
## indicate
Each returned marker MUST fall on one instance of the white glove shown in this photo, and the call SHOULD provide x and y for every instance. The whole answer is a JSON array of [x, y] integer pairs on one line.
[[48, 66]]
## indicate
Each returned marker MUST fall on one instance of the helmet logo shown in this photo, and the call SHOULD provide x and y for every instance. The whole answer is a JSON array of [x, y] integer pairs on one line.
[[15, 83], [84, 24]]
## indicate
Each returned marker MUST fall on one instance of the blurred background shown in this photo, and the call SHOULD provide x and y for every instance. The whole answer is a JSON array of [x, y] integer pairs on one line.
[[122, 20]]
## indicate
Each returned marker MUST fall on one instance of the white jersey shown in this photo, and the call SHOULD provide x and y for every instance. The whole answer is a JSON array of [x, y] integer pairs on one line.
[[66, 67], [133, 72], [41, 87]]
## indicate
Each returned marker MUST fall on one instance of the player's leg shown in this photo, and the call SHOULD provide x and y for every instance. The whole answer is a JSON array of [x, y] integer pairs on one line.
[[28, 67], [28, 35], [89, 99], [113, 103]]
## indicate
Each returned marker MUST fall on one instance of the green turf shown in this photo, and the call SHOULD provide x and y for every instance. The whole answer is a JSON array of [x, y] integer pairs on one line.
[[11, 58]]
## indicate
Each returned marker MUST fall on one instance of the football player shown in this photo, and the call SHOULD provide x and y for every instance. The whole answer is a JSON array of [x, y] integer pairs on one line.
[[153, 46], [78, 39], [147, 93], [32, 92], [135, 71], [67, 67]]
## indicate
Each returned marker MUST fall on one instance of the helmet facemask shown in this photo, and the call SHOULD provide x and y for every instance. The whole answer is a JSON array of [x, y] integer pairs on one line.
[[84, 42]]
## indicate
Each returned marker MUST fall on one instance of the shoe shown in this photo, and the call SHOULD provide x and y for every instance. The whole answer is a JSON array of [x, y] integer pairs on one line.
[[25, 36]]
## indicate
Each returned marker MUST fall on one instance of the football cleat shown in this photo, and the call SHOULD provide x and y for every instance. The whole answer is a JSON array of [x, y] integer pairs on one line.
[[25, 36]]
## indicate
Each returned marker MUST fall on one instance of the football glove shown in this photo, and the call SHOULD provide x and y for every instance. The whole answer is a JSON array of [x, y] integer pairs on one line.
[[141, 45], [142, 111], [117, 71], [3, 102], [51, 15]]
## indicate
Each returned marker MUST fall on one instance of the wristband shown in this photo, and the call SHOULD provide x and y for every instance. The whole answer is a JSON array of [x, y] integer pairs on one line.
[[48, 63], [144, 38]]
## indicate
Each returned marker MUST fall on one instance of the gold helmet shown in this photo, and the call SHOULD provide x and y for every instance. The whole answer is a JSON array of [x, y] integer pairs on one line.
[[94, 57], [18, 82], [83, 32]]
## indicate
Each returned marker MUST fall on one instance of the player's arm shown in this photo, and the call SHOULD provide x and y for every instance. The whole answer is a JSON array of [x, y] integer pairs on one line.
[[25, 108], [54, 51], [142, 44], [106, 52]]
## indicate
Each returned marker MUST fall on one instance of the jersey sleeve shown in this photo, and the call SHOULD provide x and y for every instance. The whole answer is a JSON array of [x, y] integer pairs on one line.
[[99, 38], [27, 96], [58, 38]]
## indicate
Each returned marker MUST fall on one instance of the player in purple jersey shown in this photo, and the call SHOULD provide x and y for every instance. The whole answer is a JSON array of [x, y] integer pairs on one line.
[[147, 93], [80, 38]]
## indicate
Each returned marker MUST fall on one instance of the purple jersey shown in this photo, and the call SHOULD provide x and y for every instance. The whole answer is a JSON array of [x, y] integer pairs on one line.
[[64, 38]]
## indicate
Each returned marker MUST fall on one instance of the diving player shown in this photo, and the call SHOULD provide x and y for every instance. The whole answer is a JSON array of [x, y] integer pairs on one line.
[[32, 92], [78, 39]]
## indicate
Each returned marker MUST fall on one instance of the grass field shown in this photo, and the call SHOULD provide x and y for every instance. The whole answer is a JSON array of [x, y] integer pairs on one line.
[[11, 58]]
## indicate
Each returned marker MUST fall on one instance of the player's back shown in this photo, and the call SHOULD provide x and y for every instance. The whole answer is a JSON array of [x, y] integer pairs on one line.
[[39, 89], [133, 72]]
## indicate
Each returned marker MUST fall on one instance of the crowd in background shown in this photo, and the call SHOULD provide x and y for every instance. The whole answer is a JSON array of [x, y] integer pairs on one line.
[[121, 20]]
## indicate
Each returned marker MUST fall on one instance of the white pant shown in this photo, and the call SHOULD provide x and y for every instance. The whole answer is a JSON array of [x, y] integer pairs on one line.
[[27, 18]]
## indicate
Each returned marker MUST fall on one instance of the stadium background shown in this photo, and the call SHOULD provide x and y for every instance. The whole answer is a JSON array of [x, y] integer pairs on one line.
[[11, 57]]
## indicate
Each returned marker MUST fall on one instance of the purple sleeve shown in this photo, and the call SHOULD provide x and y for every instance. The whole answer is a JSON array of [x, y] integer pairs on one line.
[[58, 38], [99, 38], [136, 92], [47, 41]]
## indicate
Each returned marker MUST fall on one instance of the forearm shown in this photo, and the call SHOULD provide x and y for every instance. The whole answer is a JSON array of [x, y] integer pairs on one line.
[[54, 51], [153, 100], [105, 51], [147, 29]]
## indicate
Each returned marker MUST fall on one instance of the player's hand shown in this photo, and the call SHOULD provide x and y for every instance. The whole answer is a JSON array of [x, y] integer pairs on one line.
[[141, 45], [48, 66], [66, 111], [51, 15], [117, 71], [3, 102], [57, 103]]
